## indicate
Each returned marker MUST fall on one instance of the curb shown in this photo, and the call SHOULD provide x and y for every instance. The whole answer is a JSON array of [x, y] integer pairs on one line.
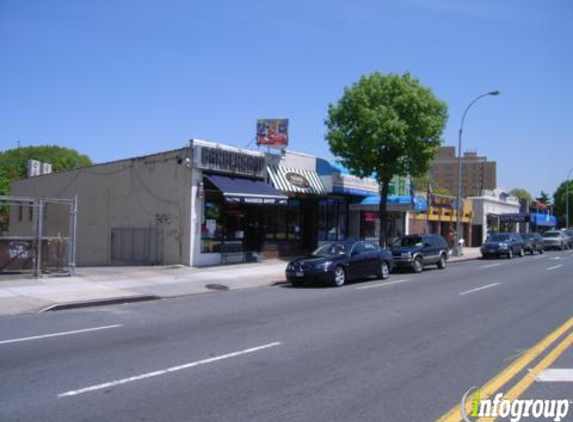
[[98, 302]]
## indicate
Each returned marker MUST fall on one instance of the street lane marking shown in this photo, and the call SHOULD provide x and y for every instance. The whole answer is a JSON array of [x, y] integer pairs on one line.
[[556, 258], [168, 370], [66, 333], [372, 286], [487, 286], [554, 267], [491, 265], [529, 378], [540, 257], [555, 375], [496, 383]]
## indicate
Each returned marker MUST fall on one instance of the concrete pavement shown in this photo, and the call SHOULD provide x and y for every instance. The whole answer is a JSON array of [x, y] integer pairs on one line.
[[400, 351], [125, 284]]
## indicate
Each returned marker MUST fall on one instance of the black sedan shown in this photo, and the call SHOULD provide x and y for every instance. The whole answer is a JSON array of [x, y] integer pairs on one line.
[[532, 243], [503, 244], [337, 262]]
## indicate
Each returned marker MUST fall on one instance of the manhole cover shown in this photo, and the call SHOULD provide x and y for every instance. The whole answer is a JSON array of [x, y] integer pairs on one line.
[[217, 287]]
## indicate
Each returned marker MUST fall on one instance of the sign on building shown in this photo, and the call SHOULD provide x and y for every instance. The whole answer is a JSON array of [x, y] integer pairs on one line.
[[272, 132]]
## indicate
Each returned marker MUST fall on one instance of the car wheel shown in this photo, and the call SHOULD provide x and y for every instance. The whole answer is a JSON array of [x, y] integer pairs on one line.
[[510, 254], [532, 251], [418, 265], [442, 262], [521, 253], [339, 276], [541, 250], [384, 271]]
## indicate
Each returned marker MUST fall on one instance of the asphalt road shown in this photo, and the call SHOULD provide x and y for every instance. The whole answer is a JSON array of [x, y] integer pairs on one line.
[[401, 350]]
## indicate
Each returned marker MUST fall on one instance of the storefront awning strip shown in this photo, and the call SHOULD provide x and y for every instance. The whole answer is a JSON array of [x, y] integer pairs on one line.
[[296, 180], [240, 187]]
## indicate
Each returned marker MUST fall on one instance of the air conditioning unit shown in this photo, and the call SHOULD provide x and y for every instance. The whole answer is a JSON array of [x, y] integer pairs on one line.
[[46, 168], [34, 168]]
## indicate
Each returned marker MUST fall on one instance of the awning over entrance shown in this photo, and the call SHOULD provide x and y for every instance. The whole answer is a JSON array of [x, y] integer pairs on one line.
[[296, 180], [247, 191], [397, 203]]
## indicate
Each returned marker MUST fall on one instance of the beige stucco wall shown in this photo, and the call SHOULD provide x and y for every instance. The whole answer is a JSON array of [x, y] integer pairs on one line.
[[144, 192]]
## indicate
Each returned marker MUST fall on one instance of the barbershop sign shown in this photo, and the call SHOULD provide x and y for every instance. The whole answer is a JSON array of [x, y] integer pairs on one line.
[[229, 161]]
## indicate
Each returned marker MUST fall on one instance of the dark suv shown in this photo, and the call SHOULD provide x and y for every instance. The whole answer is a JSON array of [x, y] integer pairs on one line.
[[503, 244], [416, 251], [532, 243]]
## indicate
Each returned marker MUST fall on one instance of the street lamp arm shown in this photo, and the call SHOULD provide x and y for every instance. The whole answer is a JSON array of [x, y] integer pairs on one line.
[[459, 195]]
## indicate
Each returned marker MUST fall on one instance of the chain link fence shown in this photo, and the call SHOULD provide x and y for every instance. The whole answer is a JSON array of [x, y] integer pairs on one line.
[[37, 235]]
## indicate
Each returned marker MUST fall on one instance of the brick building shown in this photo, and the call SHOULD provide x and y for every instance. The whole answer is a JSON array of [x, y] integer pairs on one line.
[[477, 172]]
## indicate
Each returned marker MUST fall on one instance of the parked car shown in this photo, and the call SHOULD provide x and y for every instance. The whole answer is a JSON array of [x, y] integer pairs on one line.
[[417, 251], [503, 244], [337, 262], [569, 236], [532, 243], [555, 239]]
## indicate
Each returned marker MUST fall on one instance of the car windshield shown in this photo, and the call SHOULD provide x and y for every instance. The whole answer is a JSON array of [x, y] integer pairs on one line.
[[331, 248], [408, 241], [551, 234], [527, 236], [499, 238]]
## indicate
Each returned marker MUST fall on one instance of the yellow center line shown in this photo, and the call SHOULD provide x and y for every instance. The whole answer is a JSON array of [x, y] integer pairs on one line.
[[496, 383], [529, 379]]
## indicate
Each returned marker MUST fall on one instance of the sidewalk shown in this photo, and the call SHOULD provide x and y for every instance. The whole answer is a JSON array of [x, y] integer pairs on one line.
[[20, 295]]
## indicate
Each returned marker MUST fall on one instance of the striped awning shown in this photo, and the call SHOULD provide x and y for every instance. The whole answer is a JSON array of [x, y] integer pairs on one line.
[[293, 180]]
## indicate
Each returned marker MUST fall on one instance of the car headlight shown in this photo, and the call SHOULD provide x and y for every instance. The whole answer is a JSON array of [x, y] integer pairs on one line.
[[407, 255], [503, 245], [290, 267], [325, 266]]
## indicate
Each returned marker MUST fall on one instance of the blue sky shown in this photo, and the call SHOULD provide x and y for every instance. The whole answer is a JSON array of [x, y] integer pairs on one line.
[[120, 78]]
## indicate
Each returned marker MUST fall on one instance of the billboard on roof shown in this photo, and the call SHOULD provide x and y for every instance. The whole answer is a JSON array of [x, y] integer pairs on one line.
[[272, 132]]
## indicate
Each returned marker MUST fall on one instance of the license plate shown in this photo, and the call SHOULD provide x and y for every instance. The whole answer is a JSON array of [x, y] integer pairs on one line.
[[299, 274]]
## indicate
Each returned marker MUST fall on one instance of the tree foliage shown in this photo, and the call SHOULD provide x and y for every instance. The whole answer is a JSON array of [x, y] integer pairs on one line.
[[13, 162], [522, 194], [385, 126], [559, 200], [544, 198]]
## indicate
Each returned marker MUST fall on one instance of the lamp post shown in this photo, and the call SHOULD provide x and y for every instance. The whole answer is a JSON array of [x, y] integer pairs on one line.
[[567, 199], [459, 197]]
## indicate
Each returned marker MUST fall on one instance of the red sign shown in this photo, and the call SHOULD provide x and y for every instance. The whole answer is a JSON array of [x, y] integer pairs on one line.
[[272, 132]]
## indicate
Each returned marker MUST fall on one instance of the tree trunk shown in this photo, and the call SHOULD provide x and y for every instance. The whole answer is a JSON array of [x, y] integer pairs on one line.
[[382, 211]]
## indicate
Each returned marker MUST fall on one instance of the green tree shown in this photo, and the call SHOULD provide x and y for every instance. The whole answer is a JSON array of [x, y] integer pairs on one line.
[[13, 162], [384, 126], [544, 198], [559, 201], [522, 194]]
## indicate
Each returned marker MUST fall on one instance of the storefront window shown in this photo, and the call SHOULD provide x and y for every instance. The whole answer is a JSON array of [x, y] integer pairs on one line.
[[369, 225], [269, 222], [331, 223], [321, 220], [293, 220], [212, 224], [341, 221], [281, 227]]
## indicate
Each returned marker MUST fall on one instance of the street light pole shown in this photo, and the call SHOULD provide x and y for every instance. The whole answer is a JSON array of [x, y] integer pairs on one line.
[[567, 199], [459, 197]]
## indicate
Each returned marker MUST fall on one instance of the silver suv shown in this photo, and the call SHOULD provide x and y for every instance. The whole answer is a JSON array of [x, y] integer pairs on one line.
[[555, 239]]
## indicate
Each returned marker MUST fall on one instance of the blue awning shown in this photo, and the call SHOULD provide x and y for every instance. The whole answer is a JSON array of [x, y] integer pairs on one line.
[[546, 220], [248, 191], [418, 202]]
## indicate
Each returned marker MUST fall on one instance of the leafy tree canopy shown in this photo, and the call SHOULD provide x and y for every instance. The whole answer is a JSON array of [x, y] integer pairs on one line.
[[13, 162], [559, 199], [544, 198], [386, 125], [522, 194]]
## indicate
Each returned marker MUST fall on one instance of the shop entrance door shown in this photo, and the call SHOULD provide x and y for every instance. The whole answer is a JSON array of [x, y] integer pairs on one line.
[[253, 228]]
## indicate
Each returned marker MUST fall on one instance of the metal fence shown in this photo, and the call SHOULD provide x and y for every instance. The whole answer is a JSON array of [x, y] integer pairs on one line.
[[37, 235]]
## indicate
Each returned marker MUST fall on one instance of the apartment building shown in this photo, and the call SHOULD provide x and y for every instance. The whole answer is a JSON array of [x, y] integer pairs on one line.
[[477, 172]]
